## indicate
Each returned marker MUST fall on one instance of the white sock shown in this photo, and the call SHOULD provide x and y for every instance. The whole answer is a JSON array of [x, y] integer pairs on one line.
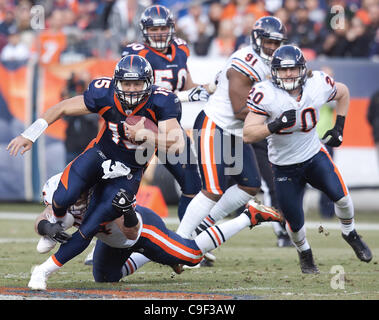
[[344, 209], [134, 262], [50, 266], [213, 237], [233, 198], [196, 211], [298, 238]]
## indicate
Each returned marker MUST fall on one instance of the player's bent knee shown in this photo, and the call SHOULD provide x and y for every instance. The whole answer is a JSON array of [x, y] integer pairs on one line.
[[344, 201], [250, 190], [212, 196]]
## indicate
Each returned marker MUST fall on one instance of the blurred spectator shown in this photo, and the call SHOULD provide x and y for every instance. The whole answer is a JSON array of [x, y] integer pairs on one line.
[[245, 38], [76, 49], [215, 11], [123, 20], [373, 119], [223, 45], [8, 21], [22, 12], [283, 15], [302, 31], [15, 52], [52, 41], [291, 6], [316, 14], [237, 9], [81, 129], [358, 39], [272, 6], [196, 29]]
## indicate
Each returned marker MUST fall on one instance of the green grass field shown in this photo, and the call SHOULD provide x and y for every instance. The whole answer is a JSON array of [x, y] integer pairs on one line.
[[248, 266]]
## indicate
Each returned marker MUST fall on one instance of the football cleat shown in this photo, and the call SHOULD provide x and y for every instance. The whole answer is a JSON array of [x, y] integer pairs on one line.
[[178, 268], [45, 244], [307, 264], [360, 248], [38, 279], [258, 213]]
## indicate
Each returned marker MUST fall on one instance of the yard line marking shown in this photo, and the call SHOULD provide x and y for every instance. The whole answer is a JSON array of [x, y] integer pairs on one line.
[[174, 220]]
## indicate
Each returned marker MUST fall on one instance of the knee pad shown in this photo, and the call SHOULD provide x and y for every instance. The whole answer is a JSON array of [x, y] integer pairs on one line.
[[344, 202]]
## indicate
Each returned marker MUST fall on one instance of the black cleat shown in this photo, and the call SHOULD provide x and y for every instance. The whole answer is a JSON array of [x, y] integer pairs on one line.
[[307, 263], [360, 247]]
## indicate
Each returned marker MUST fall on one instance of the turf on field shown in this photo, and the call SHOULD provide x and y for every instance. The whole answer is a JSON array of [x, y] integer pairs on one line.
[[248, 266]]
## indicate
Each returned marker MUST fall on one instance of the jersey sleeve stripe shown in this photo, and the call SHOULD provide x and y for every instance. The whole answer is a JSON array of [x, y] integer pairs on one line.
[[256, 109], [247, 66], [239, 67], [331, 97]]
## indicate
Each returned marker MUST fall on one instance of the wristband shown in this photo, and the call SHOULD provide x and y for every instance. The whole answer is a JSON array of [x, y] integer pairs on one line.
[[340, 122], [274, 126], [130, 218], [35, 130], [183, 95]]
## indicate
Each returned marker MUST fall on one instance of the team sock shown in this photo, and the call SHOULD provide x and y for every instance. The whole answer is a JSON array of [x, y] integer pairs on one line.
[[345, 212], [196, 211]]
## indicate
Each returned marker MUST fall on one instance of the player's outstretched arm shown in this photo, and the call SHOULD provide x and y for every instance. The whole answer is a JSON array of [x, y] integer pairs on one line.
[[70, 107], [334, 136]]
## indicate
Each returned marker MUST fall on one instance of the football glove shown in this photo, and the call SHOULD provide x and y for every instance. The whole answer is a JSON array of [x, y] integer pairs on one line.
[[286, 120], [334, 136], [124, 203], [54, 231], [198, 93]]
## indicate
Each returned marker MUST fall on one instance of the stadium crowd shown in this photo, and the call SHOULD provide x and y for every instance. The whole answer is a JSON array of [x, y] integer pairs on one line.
[[73, 30]]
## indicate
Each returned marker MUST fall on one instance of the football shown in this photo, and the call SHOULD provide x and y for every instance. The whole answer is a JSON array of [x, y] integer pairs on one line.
[[132, 120]]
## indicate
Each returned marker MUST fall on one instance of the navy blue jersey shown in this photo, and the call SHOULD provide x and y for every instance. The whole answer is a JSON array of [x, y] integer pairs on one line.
[[170, 69], [100, 98]]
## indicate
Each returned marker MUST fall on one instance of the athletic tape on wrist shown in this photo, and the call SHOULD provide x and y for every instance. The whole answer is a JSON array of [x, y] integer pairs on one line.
[[35, 130]]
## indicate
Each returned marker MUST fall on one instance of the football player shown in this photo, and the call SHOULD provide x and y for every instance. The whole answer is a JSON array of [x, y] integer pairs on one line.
[[168, 56], [136, 229], [286, 110], [219, 127], [114, 158]]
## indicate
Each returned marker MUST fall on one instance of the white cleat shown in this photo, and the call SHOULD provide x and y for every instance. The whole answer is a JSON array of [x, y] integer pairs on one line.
[[45, 244], [38, 279]]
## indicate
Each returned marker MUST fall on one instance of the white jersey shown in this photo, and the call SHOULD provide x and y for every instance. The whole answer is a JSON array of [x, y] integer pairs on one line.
[[219, 107], [113, 235], [300, 142]]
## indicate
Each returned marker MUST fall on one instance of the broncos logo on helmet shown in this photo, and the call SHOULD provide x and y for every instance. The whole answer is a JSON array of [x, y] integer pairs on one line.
[[267, 28], [157, 16], [129, 68]]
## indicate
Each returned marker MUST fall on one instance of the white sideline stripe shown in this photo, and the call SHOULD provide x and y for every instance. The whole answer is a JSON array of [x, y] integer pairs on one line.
[[308, 225]]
